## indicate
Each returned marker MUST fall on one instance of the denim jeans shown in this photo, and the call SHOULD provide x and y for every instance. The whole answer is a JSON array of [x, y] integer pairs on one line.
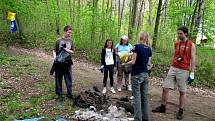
[[140, 93], [65, 72]]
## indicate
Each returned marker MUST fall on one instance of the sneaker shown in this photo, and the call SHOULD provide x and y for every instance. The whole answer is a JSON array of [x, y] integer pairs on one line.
[[112, 90], [132, 97], [129, 88], [119, 89], [160, 109], [179, 115], [59, 98], [104, 90]]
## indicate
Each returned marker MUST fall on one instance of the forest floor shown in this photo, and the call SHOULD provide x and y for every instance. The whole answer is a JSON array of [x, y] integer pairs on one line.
[[27, 89]]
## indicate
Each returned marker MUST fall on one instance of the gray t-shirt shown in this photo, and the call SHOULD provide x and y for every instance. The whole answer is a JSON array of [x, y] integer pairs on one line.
[[62, 42]]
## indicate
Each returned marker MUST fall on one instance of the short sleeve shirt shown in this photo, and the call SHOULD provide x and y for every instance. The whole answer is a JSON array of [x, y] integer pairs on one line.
[[143, 54]]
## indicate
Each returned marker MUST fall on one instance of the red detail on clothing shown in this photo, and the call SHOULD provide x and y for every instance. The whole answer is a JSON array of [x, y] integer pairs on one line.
[[186, 55]]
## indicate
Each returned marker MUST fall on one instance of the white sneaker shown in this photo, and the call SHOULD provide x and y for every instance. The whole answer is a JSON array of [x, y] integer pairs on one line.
[[132, 97], [104, 90], [129, 88], [112, 90], [119, 89]]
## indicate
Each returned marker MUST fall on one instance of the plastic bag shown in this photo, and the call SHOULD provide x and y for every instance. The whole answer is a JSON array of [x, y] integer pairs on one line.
[[63, 57]]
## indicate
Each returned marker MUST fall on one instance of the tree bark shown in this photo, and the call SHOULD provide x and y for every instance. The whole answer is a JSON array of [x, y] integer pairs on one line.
[[70, 12], [165, 11], [150, 13], [58, 18], [157, 22], [133, 20], [95, 2], [103, 19], [193, 19], [120, 16], [141, 16]]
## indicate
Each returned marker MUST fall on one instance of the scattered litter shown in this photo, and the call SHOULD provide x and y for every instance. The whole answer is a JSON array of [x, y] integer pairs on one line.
[[113, 114]]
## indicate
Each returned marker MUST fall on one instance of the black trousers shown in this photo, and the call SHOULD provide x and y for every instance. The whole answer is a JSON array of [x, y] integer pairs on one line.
[[60, 72], [108, 69]]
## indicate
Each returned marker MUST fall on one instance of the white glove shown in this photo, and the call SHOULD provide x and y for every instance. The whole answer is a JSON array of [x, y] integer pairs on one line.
[[102, 66], [192, 75], [119, 54], [149, 66]]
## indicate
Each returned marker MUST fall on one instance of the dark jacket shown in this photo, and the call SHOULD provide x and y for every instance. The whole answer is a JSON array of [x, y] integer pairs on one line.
[[103, 53]]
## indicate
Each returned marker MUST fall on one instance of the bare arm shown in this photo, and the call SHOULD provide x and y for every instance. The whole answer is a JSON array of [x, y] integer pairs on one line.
[[134, 56], [193, 57], [69, 51]]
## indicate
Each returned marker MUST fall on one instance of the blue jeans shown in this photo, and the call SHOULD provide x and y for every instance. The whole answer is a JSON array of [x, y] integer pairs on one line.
[[140, 93], [65, 72]]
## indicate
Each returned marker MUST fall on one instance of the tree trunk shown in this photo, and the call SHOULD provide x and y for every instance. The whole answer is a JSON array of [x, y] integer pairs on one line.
[[120, 17], [79, 20], [110, 18], [165, 11], [73, 13], [103, 19], [70, 12], [133, 20], [94, 20], [157, 21], [150, 13], [193, 19], [58, 18], [141, 16]]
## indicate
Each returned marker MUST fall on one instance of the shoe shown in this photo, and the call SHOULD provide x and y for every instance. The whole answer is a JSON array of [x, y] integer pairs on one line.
[[160, 109], [119, 89], [132, 97], [129, 88], [69, 97], [179, 115], [59, 98], [112, 90], [104, 90]]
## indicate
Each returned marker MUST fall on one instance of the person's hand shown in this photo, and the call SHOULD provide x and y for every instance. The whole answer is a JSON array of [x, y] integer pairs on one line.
[[101, 68], [68, 50], [149, 66], [119, 54]]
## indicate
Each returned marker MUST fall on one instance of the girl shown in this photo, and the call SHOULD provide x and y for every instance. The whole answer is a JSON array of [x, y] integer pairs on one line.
[[123, 49], [108, 62], [141, 59]]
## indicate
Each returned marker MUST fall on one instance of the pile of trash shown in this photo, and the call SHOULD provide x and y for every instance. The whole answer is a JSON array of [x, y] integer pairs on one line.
[[92, 97], [113, 114], [99, 107]]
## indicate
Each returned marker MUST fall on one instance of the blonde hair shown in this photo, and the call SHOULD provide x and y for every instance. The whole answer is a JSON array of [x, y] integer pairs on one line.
[[144, 38]]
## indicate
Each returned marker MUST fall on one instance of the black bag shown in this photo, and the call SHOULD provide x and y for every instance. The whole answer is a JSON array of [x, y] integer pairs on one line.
[[63, 58]]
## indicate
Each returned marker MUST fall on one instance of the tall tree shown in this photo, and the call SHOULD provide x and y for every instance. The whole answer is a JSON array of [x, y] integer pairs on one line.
[[70, 12], [58, 18], [150, 13], [141, 16], [120, 16], [93, 26], [193, 19], [132, 23], [165, 6], [157, 22]]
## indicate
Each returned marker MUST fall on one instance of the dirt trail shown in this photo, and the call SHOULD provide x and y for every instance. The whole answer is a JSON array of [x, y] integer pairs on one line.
[[200, 102]]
